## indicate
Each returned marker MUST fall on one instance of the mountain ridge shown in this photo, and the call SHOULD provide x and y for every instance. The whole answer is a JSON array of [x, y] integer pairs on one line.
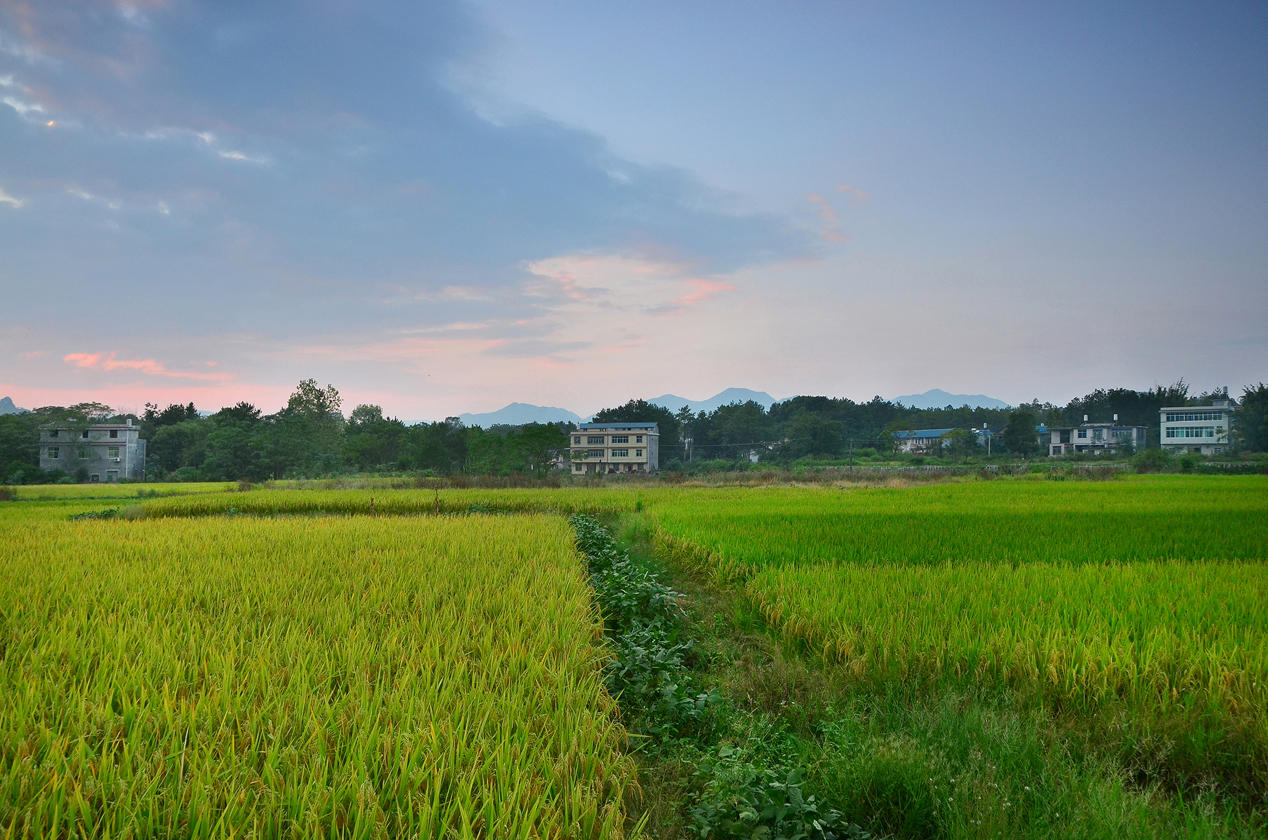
[[938, 398]]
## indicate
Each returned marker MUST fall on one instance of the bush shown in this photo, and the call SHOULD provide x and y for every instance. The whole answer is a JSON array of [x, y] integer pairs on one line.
[[741, 800], [649, 676], [1151, 461]]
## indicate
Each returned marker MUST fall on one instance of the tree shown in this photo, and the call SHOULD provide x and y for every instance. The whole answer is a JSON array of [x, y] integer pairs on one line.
[[736, 429], [314, 402], [318, 408], [1020, 436], [1250, 421], [641, 411], [960, 444], [810, 433], [372, 440], [19, 448]]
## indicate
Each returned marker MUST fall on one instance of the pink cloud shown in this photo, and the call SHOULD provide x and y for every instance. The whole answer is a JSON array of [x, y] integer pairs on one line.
[[702, 291], [828, 216], [857, 196], [150, 367]]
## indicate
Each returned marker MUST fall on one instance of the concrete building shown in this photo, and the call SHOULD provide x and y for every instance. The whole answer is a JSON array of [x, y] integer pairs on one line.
[[106, 451], [1200, 429], [922, 441], [615, 448], [1094, 438]]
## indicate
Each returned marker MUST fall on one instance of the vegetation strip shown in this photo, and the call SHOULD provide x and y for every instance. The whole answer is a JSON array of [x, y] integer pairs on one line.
[[664, 703]]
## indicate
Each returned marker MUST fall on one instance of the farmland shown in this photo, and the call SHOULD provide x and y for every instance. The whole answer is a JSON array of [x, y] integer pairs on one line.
[[294, 677], [1088, 648]]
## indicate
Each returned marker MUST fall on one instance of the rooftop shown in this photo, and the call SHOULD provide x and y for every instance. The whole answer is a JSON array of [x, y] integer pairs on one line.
[[615, 425], [922, 433]]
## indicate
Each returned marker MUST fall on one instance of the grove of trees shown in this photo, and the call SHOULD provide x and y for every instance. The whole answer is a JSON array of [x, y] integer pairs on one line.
[[310, 436]]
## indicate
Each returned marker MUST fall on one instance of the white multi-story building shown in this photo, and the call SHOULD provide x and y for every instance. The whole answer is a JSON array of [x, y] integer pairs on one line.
[[105, 451], [615, 448], [1201, 429]]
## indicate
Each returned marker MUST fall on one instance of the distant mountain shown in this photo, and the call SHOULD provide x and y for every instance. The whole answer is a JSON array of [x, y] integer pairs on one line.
[[937, 398], [7, 407], [730, 395], [517, 414]]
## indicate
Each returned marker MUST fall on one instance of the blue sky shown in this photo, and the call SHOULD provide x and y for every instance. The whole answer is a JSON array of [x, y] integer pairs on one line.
[[447, 207]]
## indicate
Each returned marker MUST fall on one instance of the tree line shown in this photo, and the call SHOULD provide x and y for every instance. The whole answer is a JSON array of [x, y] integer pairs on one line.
[[310, 437]]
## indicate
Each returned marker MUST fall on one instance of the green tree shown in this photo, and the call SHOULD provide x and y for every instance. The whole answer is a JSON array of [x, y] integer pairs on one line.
[[318, 408], [811, 433], [19, 448], [536, 446], [736, 428], [1250, 421], [960, 444], [641, 411], [373, 441], [1020, 435]]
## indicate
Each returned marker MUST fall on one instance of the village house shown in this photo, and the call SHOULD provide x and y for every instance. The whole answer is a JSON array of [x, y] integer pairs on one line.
[[1200, 429], [922, 441], [615, 448], [106, 452], [1095, 438]]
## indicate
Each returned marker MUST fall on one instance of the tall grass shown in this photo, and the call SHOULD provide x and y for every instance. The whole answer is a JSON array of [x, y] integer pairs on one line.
[[342, 678]]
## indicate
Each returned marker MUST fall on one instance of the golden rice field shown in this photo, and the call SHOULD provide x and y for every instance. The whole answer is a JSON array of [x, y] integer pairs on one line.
[[368, 677]]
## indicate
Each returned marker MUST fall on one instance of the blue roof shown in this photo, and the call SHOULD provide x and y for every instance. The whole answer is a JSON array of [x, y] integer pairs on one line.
[[922, 433], [616, 425]]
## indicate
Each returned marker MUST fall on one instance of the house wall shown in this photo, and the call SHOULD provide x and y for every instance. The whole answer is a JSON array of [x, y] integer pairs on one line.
[[107, 458], [1202, 429], [615, 448]]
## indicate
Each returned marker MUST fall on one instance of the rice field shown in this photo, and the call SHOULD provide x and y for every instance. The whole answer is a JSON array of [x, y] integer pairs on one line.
[[347, 662], [1144, 600], [359, 677], [1001, 521]]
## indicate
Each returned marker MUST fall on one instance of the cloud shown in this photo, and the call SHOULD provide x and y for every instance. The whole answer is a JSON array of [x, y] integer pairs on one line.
[[150, 367], [830, 232], [15, 203], [24, 109], [857, 196], [84, 195]]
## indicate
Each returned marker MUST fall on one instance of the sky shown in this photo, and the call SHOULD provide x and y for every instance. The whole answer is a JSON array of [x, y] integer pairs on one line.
[[444, 207]]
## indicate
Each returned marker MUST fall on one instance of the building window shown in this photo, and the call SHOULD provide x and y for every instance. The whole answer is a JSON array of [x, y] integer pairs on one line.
[[1191, 432], [638, 453], [594, 453], [112, 452], [595, 440], [84, 434], [577, 439], [94, 478], [620, 438], [576, 467], [54, 452], [1083, 433], [55, 433], [112, 475], [638, 438], [1182, 417], [84, 453], [620, 453]]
